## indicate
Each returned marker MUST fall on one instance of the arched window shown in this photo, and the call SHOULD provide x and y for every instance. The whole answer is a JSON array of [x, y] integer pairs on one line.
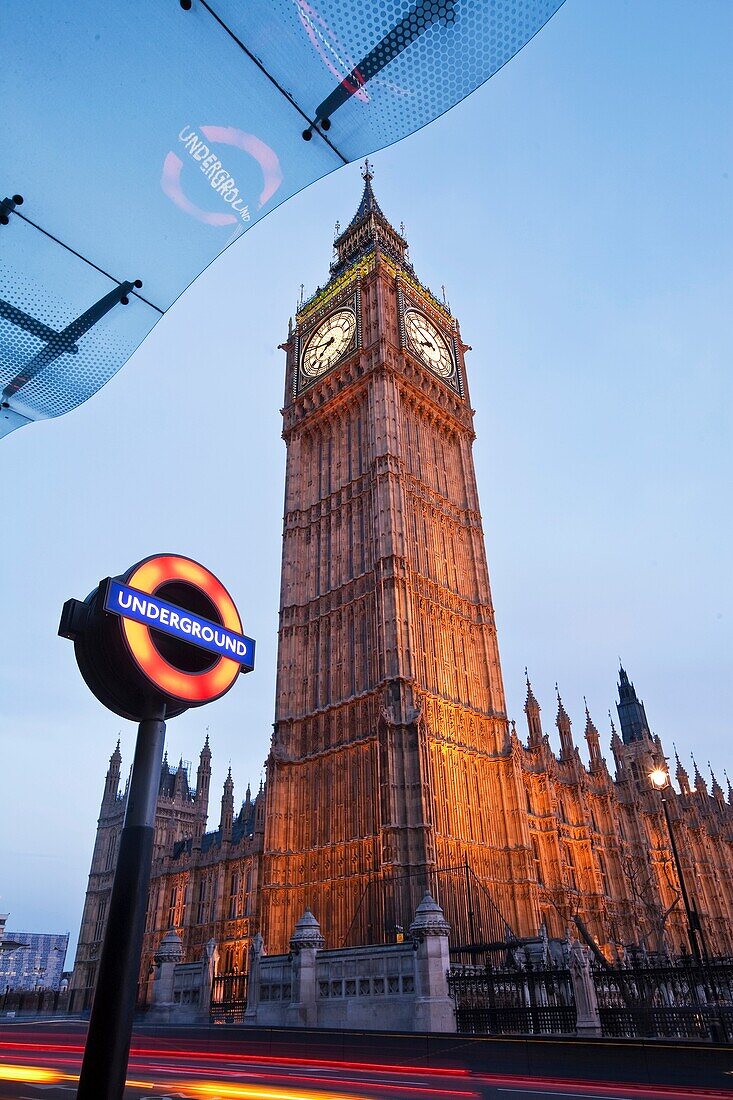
[[201, 902], [172, 906], [540, 878], [233, 890], [573, 879], [111, 846], [101, 918]]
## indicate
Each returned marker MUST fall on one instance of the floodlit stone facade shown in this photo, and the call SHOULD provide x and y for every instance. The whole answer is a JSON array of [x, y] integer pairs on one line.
[[204, 884], [393, 759]]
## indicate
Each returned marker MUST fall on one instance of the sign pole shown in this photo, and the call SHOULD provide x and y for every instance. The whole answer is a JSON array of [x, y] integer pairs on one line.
[[107, 1049], [146, 659]]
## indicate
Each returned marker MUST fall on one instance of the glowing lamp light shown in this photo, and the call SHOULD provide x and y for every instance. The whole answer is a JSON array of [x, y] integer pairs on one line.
[[659, 779]]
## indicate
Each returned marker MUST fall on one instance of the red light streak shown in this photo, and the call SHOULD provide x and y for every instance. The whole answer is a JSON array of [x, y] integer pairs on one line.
[[240, 1065]]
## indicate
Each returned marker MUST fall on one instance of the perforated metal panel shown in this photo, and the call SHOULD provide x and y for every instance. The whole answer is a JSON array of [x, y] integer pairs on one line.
[[148, 138]]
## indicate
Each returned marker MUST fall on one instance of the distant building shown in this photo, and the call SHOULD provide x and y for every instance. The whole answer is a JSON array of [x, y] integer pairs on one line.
[[38, 964]]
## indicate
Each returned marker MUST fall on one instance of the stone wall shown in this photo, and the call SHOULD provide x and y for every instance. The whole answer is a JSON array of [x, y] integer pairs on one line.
[[394, 987]]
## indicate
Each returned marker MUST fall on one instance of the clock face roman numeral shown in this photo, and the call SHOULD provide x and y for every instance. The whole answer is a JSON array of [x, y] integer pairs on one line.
[[428, 344], [328, 343]]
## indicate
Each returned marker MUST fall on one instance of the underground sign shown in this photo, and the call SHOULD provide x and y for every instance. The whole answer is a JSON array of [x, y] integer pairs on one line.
[[162, 637]]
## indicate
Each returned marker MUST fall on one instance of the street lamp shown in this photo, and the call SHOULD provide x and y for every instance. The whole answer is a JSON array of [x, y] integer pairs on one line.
[[659, 779]]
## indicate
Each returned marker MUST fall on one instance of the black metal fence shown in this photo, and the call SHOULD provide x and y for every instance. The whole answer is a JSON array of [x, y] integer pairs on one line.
[[673, 998], [228, 999], [528, 1001], [39, 1002]]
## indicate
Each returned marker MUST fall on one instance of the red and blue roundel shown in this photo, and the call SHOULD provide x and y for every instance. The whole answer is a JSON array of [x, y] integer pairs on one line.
[[180, 627]]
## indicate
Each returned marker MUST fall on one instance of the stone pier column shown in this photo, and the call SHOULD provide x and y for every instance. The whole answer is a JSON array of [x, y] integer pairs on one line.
[[167, 957], [256, 951], [434, 1009], [209, 960], [305, 944], [584, 991]]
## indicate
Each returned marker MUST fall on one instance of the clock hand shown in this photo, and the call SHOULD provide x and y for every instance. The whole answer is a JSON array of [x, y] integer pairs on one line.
[[324, 346], [315, 347]]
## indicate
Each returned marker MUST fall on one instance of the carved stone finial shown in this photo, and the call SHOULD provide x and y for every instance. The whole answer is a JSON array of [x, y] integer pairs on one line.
[[307, 933], [170, 948], [429, 919], [257, 946]]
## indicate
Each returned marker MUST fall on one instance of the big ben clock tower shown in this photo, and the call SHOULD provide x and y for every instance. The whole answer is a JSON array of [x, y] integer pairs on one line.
[[390, 755]]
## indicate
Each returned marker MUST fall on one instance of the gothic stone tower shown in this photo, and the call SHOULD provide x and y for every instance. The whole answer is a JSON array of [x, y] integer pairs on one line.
[[390, 755]]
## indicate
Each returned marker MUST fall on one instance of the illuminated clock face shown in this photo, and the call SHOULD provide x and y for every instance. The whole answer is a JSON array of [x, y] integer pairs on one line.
[[428, 343], [328, 343]]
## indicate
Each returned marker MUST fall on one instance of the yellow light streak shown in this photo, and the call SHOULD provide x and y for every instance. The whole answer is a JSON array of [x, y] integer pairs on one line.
[[29, 1075], [199, 1090], [223, 1091]]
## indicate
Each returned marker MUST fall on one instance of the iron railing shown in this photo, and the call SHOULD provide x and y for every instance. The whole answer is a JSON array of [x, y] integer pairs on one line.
[[531, 1001], [640, 998], [676, 998], [228, 999]]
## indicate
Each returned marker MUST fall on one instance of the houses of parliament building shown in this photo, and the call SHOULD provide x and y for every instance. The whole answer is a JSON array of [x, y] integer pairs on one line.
[[393, 767]]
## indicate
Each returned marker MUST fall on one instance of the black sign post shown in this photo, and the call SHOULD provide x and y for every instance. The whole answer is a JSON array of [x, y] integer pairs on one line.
[[107, 1049], [164, 637]]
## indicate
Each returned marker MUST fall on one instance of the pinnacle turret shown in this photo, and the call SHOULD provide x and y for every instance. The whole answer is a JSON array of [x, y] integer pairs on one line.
[[683, 779], [593, 741], [716, 790], [532, 710], [227, 807], [112, 781], [701, 786], [562, 721], [203, 782]]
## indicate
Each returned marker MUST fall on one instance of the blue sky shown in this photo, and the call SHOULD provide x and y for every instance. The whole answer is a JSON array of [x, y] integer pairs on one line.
[[578, 210]]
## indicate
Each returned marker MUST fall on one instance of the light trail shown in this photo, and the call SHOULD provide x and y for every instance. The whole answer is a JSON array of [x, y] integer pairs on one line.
[[226, 1091], [232, 1074], [29, 1075]]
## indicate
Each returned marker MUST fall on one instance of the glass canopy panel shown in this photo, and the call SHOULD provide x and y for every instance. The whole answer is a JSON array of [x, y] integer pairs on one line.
[[386, 68], [56, 349], [147, 138]]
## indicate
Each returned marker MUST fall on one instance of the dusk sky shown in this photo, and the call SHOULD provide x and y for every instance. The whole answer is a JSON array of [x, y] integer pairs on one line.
[[577, 209]]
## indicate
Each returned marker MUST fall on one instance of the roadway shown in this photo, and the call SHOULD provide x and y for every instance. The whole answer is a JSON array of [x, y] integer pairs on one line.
[[40, 1061]]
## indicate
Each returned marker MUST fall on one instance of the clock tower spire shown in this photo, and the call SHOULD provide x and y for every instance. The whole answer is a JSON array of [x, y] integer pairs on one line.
[[389, 759], [369, 228]]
